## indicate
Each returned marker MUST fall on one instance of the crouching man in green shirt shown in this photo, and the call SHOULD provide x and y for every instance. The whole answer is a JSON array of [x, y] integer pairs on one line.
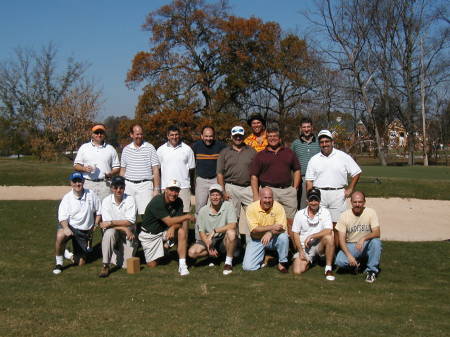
[[217, 229], [163, 222]]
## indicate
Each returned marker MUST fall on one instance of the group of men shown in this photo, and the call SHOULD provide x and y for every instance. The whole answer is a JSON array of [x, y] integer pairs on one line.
[[256, 189]]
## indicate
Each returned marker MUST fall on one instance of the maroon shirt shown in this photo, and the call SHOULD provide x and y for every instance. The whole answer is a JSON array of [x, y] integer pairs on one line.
[[275, 169]]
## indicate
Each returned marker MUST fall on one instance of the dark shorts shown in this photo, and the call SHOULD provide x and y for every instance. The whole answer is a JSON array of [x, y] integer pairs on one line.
[[80, 241]]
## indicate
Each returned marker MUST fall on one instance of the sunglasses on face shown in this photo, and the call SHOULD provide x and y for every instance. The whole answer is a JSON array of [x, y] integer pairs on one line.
[[99, 132]]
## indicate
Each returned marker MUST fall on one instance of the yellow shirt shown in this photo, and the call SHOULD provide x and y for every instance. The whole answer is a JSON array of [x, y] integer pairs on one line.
[[252, 141], [256, 216], [356, 227]]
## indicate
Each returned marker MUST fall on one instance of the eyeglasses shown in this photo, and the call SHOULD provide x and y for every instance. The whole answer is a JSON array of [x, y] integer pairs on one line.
[[77, 181], [99, 132]]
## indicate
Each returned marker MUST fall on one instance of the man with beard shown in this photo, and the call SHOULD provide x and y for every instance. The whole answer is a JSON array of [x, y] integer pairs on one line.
[[304, 147], [312, 232], [258, 138], [359, 237]]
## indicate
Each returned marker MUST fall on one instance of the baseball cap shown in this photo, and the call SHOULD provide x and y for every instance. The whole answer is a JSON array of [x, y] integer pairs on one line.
[[97, 127], [324, 133], [76, 176], [173, 183], [237, 130], [118, 181], [215, 187], [313, 194]]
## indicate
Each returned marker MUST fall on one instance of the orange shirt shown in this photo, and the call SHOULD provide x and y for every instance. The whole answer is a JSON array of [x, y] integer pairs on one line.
[[252, 141]]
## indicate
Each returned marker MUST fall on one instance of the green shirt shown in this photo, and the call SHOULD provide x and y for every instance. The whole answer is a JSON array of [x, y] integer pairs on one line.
[[158, 209], [207, 221], [304, 151]]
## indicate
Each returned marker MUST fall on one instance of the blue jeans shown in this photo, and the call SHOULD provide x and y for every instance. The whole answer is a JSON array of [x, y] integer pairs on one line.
[[371, 250], [254, 253]]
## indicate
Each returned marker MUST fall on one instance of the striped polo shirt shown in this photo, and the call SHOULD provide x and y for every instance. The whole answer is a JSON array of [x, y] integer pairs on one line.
[[206, 158], [304, 151], [138, 161]]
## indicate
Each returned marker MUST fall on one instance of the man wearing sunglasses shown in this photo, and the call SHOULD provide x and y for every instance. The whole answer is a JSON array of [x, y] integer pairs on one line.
[[118, 219], [98, 162]]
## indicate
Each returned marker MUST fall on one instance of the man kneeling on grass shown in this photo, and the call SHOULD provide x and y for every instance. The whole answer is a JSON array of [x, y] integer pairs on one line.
[[217, 228], [163, 221], [359, 238], [267, 226], [312, 232], [78, 211], [118, 219]]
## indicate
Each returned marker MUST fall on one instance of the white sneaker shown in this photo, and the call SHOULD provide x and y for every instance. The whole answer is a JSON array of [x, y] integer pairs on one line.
[[58, 269], [211, 265], [183, 270], [68, 255]]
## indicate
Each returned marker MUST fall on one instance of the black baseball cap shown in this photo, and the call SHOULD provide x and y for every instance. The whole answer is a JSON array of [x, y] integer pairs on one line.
[[117, 181], [313, 194]]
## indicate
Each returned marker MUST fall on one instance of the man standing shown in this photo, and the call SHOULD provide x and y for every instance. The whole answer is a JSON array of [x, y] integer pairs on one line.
[[233, 173], [163, 221], [328, 172], [98, 162], [312, 232], [258, 138], [140, 167], [118, 219], [278, 168], [177, 162], [359, 237], [267, 225], [78, 212], [206, 151], [304, 147], [217, 227]]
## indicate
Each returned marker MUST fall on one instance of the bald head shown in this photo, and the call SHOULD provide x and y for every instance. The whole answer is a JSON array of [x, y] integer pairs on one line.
[[266, 198], [358, 201], [359, 195]]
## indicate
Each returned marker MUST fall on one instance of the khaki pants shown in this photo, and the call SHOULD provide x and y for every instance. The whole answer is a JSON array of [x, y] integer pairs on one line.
[[240, 197], [116, 249]]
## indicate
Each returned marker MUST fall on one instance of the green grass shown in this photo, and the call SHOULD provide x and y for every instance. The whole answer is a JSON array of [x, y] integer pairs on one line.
[[31, 172], [406, 182], [410, 298]]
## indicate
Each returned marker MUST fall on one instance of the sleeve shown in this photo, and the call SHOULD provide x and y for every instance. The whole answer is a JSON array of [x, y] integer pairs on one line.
[[97, 204], [295, 163], [220, 163], [352, 167], [255, 166], [231, 214], [310, 171], [130, 211], [124, 158], [159, 154], [191, 158], [296, 224], [63, 210], [341, 224], [200, 219], [79, 158], [252, 217], [106, 209], [374, 219], [154, 157], [115, 158], [327, 222], [280, 215]]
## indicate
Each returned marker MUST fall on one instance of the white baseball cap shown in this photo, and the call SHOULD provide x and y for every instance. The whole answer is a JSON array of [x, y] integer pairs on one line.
[[237, 130], [215, 187], [324, 133], [173, 183]]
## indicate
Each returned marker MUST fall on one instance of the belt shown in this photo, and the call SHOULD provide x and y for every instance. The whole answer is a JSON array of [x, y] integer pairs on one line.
[[95, 180], [137, 181], [275, 186], [330, 188], [240, 185], [207, 177]]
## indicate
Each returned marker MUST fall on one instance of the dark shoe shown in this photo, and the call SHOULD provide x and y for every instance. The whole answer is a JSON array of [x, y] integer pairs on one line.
[[105, 271], [58, 269], [282, 269], [371, 277], [329, 275], [227, 269]]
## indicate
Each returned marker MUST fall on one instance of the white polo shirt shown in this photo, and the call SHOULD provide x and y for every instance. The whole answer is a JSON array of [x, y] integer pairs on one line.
[[126, 210], [79, 212], [176, 163], [104, 157], [306, 226], [138, 161], [331, 171]]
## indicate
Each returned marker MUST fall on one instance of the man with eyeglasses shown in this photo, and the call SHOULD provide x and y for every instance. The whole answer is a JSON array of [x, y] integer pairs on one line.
[[312, 232], [98, 162], [78, 212], [118, 219], [328, 171], [233, 174]]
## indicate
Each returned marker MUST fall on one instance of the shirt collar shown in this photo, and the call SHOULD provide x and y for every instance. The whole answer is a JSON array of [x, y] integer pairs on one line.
[[144, 144], [174, 147], [113, 200], [219, 212], [83, 196], [313, 140], [94, 145], [330, 155]]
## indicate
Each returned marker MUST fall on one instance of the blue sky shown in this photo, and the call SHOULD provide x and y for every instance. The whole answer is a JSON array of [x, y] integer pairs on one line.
[[107, 34]]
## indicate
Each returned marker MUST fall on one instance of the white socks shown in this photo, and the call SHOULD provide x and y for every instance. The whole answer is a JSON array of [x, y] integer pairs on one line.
[[59, 260], [328, 268], [229, 260], [182, 262]]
